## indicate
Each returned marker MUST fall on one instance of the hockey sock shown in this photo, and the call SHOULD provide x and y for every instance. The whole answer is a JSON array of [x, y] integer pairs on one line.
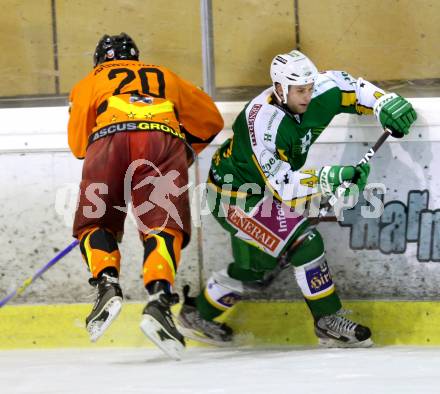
[[205, 308], [162, 255], [221, 293], [317, 286], [313, 277], [100, 251]]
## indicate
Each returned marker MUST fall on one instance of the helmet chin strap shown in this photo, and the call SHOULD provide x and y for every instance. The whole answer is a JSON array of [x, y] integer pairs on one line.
[[283, 100], [283, 106]]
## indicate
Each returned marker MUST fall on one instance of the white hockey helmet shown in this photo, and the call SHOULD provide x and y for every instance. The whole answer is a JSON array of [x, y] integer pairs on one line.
[[293, 68]]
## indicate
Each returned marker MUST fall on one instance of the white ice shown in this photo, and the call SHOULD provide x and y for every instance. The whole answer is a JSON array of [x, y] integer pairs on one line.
[[209, 370]]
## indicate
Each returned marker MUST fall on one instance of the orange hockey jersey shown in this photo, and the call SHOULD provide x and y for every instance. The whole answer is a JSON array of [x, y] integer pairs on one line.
[[127, 95]]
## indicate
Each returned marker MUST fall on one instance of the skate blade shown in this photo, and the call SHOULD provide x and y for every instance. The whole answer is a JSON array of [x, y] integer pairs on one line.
[[171, 347], [196, 336], [334, 343], [96, 328]]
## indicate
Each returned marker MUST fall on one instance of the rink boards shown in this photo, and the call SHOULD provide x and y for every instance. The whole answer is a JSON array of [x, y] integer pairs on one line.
[[393, 258], [282, 323]]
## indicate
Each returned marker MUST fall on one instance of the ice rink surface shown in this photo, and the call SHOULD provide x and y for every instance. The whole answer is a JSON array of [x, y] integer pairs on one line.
[[208, 370]]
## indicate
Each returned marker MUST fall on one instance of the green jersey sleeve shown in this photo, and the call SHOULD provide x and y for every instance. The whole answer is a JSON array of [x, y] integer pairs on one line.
[[357, 96]]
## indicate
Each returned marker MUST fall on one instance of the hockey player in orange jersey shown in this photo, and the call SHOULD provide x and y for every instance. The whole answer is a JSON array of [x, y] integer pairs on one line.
[[137, 127]]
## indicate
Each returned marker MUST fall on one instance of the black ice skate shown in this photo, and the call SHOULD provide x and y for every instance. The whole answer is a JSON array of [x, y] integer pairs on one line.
[[107, 305], [338, 331], [158, 325], [193, 326]]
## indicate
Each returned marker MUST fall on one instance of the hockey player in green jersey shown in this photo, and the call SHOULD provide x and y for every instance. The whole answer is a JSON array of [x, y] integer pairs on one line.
[[256, 181]]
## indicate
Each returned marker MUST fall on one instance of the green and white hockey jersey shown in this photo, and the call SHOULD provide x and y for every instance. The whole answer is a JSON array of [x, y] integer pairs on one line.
[[270, 145]]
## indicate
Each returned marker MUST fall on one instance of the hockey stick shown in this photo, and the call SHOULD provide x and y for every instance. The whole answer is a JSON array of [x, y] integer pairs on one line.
[[346, 184], [284, 259], [40, 272]]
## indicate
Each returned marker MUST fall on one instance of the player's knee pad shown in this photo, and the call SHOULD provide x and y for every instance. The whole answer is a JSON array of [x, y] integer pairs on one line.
[[100, 250], [222, 291], [161, 255], [314, 279]]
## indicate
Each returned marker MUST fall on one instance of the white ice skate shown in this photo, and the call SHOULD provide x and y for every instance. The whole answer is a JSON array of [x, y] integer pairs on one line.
[[338, 331], [157, 324]]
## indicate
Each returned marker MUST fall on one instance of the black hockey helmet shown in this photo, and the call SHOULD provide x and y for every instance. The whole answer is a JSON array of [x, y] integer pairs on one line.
[[120, 47]]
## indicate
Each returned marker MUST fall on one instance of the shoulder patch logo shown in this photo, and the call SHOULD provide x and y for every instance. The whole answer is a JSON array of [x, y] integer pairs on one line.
[[306, 141], [251, 121]]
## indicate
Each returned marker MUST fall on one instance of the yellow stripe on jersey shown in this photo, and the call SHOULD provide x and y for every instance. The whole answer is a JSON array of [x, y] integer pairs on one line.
[[312, 180], [137, 111], [362, 109], [291, 203], [282, 153], [348, 99], [223, 192]]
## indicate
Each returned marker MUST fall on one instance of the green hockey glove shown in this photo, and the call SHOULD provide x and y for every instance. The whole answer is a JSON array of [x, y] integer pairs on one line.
[[331, 177], [395, 113]]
